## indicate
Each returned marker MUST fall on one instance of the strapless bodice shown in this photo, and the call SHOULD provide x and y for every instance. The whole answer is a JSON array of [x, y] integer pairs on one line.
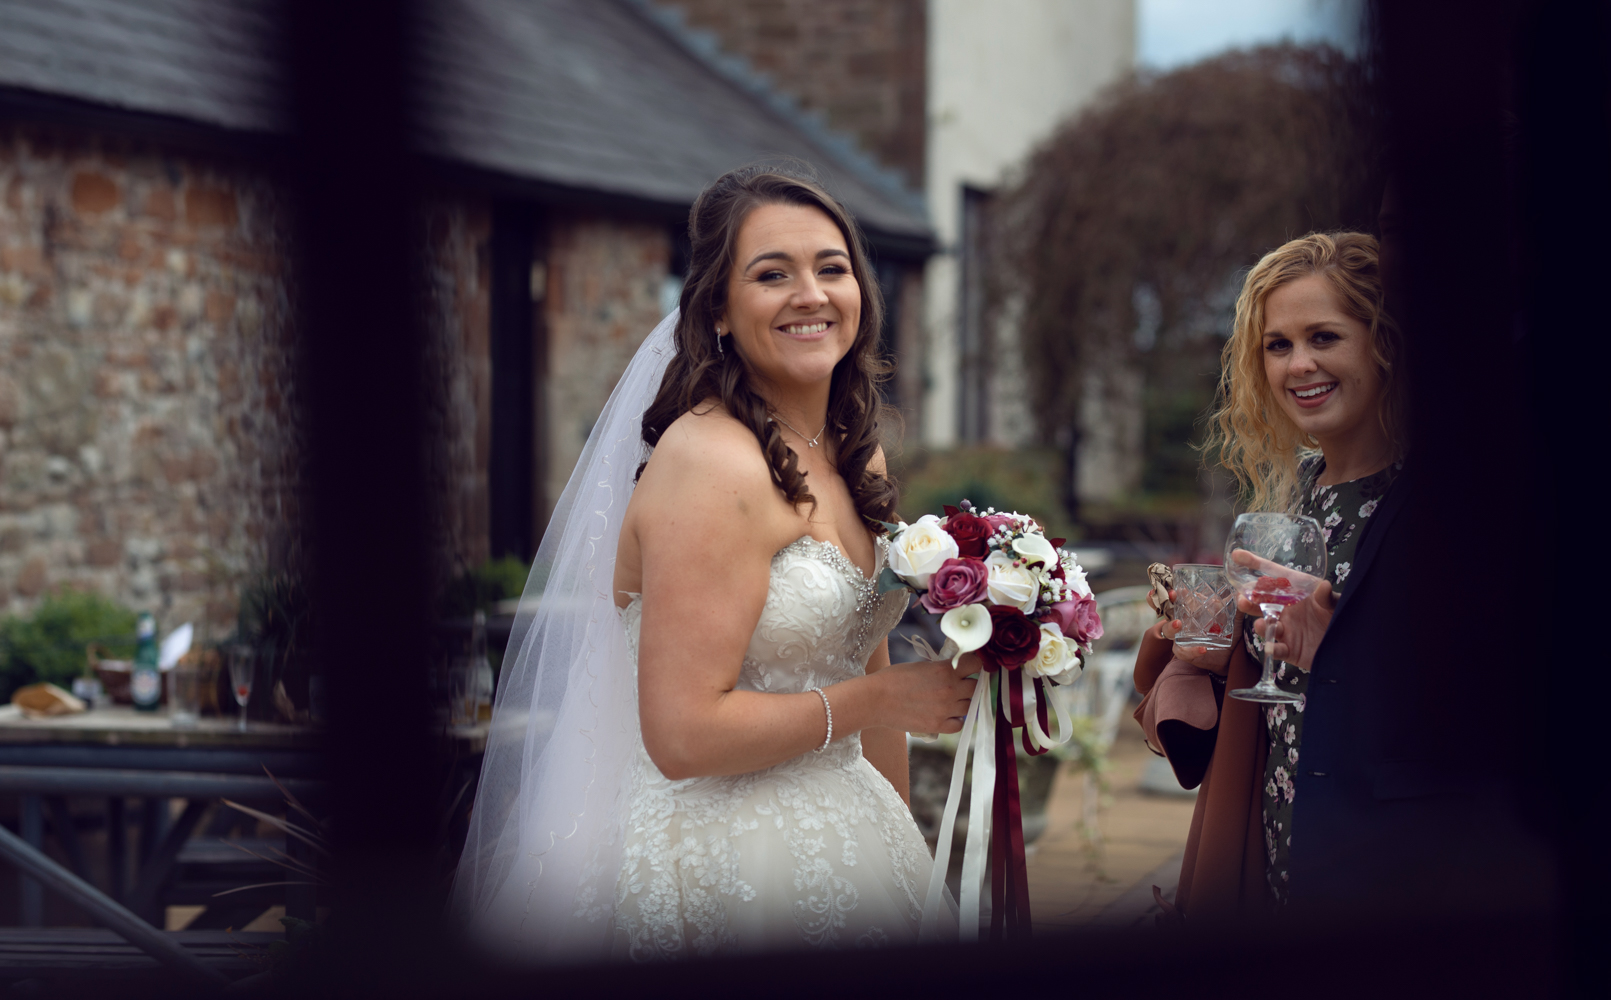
[[821, 620]]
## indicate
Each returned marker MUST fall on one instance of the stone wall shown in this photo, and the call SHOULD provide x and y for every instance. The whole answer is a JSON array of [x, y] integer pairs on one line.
[[859, 63], [148, 429], [604, 277]]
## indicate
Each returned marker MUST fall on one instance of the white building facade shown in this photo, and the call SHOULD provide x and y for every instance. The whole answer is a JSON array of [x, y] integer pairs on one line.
[[1002, 75]]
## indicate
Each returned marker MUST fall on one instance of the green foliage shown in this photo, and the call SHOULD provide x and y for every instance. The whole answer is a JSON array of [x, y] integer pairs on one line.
[[1024, 480], [49, 644], [483, 587]]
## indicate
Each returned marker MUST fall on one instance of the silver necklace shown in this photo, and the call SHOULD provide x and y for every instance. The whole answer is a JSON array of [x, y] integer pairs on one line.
[[811, 442]]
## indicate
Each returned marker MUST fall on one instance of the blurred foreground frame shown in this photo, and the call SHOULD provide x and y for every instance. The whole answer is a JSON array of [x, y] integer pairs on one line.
[[357, 181]]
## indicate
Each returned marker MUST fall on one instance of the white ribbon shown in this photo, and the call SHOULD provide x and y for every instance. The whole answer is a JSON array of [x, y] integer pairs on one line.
[[1057, 698], [975, 854], [971, 724]]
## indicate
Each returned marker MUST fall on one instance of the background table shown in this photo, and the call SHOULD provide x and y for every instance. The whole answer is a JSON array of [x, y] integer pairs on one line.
[[119, 753]]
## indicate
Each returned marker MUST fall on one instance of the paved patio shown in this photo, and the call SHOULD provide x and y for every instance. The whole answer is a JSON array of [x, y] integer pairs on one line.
[[1073, 883]]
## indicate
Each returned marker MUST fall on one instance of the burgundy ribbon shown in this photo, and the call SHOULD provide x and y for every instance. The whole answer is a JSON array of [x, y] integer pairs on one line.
[[1009, 869]]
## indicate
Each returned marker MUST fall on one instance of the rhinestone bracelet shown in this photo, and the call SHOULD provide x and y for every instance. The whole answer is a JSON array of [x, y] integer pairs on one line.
[[829, 709]]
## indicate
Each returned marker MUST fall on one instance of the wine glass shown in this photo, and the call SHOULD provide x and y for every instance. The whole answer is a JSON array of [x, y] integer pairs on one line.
[[1274, 560], [242, 667]]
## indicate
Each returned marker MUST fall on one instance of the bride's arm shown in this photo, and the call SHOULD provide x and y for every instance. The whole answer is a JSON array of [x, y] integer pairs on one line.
[[885, 749], [707, 520]]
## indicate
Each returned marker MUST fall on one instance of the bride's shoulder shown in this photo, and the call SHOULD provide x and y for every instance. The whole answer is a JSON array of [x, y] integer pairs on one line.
[[706, 445]]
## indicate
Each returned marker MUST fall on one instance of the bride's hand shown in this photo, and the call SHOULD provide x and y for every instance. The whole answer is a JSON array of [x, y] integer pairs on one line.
[[926, 696]]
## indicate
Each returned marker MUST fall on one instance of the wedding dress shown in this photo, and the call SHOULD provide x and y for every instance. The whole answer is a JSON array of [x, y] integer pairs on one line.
[[580, 850], [818, 851]]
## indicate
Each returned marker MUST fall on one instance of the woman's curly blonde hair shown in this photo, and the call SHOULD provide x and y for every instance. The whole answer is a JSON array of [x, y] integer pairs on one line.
[[1257, 441]]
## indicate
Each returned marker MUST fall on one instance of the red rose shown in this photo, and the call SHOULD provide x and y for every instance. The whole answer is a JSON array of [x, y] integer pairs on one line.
[[956, 583], [1014, 639], [969, 531], [999, 521]]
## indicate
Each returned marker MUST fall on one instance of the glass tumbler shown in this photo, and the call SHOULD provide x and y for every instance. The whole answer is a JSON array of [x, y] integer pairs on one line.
[[184, 696], [462, 692], [1205, 605]]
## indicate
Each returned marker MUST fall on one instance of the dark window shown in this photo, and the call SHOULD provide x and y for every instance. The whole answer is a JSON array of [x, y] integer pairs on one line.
[[518, 348]]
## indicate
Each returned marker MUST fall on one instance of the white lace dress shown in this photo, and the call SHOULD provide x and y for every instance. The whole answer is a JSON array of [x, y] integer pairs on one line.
[[816, 852]]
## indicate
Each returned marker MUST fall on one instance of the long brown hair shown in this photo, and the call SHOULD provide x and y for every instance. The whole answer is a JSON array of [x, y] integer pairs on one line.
[[699, 371], [1256, 440]]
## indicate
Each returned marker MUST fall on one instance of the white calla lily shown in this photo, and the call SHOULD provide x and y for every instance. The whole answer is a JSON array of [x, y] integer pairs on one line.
[[1036, 549], [968, 627]]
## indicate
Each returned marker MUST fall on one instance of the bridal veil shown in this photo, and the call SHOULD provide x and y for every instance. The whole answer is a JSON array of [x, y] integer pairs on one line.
[[535, 880]]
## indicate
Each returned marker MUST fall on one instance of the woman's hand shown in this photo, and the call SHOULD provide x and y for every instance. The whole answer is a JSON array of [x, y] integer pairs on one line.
[[1296, 637], [926, 696], [1216, 661]]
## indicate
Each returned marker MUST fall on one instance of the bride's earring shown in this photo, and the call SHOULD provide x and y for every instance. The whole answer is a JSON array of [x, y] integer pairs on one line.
[[719, 348]]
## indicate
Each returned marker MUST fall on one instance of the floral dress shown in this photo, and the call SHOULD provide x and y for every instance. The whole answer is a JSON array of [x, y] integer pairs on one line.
[[1342, 510]]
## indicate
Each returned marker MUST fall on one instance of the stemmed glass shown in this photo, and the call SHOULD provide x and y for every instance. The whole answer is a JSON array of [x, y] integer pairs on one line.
[[242, 666], [1274, 560]]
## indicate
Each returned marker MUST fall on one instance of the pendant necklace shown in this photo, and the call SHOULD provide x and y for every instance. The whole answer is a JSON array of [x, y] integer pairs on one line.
[[811, 442]]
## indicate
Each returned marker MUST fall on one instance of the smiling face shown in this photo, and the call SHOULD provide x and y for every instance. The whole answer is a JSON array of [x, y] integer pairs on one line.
[[1319, 363], [793, 305]]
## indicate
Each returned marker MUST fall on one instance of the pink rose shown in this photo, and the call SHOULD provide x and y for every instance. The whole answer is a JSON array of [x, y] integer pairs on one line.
[[957, 583], [1077, 618]]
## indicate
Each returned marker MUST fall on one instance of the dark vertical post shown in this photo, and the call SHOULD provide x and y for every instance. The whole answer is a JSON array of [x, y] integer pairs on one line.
[[1500, 136], [1563, 96], [973, 392], [301, 903], [153, 825], [362, 343], [117, 848], [511, 475], [32, 823]]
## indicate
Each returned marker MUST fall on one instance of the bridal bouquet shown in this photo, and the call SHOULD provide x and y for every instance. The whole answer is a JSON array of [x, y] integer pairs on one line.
[[1007, 592]]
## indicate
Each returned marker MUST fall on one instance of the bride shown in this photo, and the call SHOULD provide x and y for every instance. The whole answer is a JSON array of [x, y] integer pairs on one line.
[[699, 743]]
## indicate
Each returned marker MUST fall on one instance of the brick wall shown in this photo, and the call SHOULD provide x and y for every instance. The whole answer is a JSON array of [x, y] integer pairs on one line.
[[604, 277], [147, 411], [860, 63], [457, 286]]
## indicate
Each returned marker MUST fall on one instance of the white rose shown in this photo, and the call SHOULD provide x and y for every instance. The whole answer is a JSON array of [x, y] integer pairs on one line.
[[1010, 585], [1056, 659], [919, 550]]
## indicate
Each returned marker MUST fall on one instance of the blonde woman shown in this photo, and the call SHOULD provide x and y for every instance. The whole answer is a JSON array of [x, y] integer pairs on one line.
[[1309, 420]]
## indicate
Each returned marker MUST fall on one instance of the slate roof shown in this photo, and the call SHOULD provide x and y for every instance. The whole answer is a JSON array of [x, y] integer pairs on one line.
[[208, 61], [604, 96]]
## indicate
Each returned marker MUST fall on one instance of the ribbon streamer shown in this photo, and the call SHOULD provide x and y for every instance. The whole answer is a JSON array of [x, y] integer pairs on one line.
[[1002, 701], [929, 930]]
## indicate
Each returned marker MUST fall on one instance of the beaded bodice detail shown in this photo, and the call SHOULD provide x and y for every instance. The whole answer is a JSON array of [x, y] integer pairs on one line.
[[817, 851]]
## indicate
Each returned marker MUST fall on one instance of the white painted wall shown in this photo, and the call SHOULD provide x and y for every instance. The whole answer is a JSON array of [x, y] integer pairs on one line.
[[1002, 74]]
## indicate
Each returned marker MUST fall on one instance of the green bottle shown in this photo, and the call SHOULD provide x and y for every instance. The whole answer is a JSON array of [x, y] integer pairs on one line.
[[146, 684]]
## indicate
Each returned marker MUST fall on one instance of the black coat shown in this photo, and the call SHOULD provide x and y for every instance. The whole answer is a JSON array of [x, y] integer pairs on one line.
[[1407, 804]]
